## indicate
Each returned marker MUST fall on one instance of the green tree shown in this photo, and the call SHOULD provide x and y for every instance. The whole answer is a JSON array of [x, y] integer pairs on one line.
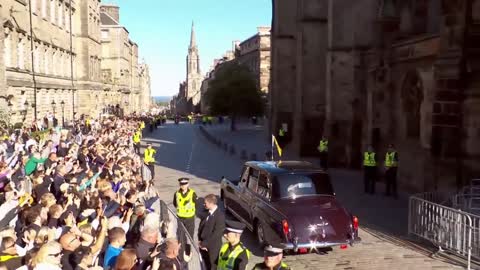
[[233, 91]]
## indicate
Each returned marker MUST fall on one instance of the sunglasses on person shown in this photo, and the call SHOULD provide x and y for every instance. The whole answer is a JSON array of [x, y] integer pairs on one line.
[[55, 254]]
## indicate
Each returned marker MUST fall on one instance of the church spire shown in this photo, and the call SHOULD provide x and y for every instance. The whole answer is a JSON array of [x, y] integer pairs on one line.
[[193, 42]]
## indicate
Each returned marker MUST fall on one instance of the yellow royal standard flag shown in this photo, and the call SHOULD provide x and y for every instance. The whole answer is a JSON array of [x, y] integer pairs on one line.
[[275, 142]]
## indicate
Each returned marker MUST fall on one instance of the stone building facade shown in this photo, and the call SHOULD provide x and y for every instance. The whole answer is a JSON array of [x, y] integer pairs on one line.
[[255, 54], [401, 72], [43, 63], [62, 62], [120, 64]]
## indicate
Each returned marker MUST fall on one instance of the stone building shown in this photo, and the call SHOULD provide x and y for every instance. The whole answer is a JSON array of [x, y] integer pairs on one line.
[[180, 103], [43, 63], [380, 72], [88, 74], [194, 75], [119, 65], [255, 54], [62, 62]]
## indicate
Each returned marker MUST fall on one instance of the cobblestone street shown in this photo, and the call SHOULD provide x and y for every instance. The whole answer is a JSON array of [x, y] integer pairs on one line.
[[183, 151]]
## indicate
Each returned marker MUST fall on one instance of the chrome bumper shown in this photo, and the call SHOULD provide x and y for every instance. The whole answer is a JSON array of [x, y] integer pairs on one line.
[[315, 245]]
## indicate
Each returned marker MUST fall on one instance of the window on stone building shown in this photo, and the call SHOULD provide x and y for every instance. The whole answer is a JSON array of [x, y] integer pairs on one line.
[[8, 50], [61, 64], [21, 53], [67, 19], [54, 62], [46, 61], [36, 59], [44, 8], [412, 98], [105, 33], [33, 6], [60, 15], [53, 4]]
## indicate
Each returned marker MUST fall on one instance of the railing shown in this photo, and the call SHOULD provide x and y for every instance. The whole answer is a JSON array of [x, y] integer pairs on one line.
[[178, 230], [450, 229]]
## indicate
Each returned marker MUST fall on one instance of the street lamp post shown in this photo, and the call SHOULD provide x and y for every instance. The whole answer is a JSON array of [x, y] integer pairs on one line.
[[54, 122], [62, 104], [54, 107]]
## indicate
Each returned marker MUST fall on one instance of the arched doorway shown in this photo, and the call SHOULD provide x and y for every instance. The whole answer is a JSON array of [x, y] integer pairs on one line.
[[412, 98]]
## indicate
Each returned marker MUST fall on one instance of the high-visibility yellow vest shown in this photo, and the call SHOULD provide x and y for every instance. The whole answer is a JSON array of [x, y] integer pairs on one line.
[[142, 125], [87, 122], [148, 155], [323, 146], [281, 132], [390, 159], [185, 205], [369, 159], [227, 262], [136, 137], [5, 258]]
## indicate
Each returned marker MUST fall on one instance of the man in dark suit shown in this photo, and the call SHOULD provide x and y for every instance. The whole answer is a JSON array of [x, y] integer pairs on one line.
[[210, 232]]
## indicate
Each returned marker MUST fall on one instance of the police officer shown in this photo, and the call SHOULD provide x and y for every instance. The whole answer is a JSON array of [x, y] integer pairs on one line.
[[282, 133], [391, 165], [370, 170], [184, 200], [136, 141], [323, 149], [272, 259], [233, 255], [149, 158]]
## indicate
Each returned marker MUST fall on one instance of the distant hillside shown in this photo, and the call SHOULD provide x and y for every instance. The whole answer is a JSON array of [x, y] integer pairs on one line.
[[162, 98]]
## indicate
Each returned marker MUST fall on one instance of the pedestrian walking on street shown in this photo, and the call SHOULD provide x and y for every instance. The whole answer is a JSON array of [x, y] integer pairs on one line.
[[273, 255], [149, 159], [233, 254], [184, 201], [323, 149], [210, 232], [391, 165], [370, 170]]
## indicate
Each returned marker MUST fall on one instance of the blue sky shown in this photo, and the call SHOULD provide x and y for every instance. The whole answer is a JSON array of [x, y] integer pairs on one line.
[[161, 28]]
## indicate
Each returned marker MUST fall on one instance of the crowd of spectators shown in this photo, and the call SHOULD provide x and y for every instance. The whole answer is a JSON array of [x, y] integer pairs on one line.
[[80, 198]]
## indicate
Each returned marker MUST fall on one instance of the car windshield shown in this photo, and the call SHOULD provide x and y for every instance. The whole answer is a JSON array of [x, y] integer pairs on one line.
[[295, 185]]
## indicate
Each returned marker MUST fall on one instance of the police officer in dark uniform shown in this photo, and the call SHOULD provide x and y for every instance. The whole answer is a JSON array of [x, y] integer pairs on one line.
[[184, 201], [233, 254], [273, 255]]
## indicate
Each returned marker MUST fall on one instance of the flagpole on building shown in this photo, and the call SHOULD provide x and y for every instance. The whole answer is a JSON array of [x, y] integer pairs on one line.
[[272, 138]]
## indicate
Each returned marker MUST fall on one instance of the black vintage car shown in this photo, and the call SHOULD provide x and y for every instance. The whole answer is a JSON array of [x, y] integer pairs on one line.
[[291, 202]]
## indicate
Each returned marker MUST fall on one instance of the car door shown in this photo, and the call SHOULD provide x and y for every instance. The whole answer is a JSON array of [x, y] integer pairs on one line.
[[267, 216], [236, 199], [249, 196]]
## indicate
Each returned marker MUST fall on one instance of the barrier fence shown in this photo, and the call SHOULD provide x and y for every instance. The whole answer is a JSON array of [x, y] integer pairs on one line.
[[173, 227], [454, 230]]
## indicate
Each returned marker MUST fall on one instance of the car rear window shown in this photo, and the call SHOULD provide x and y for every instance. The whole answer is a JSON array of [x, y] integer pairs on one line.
[[291, 185]]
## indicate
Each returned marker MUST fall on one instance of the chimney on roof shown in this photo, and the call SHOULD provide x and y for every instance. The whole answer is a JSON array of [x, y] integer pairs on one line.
[[112, 10]]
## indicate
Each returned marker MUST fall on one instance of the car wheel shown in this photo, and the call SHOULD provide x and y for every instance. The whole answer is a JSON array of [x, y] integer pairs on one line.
[[260, 233]]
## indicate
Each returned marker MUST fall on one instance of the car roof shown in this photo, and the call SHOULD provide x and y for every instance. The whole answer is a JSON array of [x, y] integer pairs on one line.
[[281, 167]]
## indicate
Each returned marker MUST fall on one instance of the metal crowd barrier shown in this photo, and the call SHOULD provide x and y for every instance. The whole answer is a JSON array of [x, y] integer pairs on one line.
[[175, 228], [450, 229]]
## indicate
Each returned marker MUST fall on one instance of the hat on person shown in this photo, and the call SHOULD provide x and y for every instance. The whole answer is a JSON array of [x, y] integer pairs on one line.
[[273, 250], [183, 180], [234, 226]]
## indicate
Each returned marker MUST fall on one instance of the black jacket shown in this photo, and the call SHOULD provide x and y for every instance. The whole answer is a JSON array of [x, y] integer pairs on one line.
[[210, 231]]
